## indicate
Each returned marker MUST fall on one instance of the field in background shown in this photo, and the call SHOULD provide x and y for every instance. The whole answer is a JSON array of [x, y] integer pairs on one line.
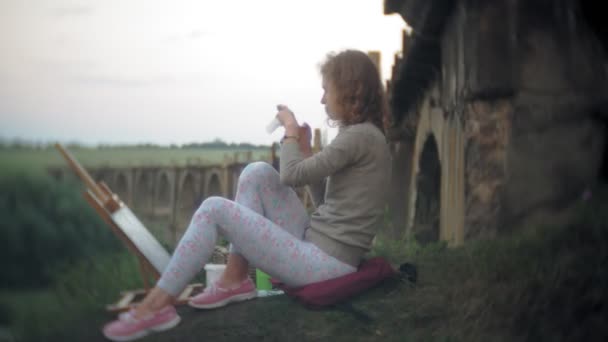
[[15, 159]]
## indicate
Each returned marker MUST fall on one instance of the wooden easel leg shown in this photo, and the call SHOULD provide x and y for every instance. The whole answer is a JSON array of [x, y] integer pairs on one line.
[[188, 293], [306, 200], [144, 274]]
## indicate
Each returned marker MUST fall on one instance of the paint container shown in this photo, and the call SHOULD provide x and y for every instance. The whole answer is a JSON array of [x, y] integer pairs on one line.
[[262, 280], [213, 273]]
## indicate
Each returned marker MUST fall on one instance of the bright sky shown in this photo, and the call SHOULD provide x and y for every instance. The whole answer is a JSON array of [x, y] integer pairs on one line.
[[166, 71]]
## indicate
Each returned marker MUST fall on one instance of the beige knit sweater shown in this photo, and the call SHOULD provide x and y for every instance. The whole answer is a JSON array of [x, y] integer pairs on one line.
[[348, 181]]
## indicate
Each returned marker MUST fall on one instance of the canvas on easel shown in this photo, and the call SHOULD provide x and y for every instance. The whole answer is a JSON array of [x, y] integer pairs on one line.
[[152, 256]]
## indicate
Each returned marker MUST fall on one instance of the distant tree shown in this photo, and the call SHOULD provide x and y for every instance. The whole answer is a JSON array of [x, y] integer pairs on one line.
[[73, 145]]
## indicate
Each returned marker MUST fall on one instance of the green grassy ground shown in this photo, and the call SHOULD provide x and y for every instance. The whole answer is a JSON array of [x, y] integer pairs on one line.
[[79, 291], [545, 284], [43, 220]]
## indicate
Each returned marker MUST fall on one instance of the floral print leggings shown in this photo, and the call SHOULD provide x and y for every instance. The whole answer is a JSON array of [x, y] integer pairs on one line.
[[265, 224]]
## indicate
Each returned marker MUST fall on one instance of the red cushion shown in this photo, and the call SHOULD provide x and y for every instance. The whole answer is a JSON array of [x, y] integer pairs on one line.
[[370, 273]]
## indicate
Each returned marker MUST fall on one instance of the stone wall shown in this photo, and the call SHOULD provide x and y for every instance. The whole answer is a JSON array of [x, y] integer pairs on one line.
[[487, 131], [518, 84]]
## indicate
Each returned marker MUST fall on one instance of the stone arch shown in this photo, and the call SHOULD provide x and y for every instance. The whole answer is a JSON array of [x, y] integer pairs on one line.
[[122, 186], [458, 207], [163, 195], [426, 227], [234, 178], [186, 203], [102, 175], [214, 185], [143, 196], [432, 125], [201, 191]]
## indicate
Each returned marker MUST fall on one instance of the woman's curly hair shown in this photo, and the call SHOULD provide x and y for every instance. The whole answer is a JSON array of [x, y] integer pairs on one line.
[[358, 85]]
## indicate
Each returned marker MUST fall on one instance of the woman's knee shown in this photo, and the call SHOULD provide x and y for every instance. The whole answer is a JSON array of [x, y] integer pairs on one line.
[[211, 202], [257, 171]]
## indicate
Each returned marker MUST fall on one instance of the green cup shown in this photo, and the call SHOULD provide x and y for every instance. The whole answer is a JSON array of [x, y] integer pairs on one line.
[[262, 280]]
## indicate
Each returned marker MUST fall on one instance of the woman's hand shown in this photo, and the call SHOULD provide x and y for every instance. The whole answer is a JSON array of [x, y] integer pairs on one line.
[[292, 129], [287, 119]]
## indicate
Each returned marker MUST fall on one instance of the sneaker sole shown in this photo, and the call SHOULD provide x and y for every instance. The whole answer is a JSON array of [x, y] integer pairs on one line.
[[166, 326], [162, 327], [233, 299]]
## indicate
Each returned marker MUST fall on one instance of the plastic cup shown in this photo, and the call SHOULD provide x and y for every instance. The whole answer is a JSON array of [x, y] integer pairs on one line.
[[273, 125], [213, 272], [262, 280]]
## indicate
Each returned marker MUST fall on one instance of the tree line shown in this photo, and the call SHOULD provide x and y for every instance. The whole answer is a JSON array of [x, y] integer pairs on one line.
[[217, 143]]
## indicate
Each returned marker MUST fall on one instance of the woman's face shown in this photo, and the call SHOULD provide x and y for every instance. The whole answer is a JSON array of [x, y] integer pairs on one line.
[[330, 100]]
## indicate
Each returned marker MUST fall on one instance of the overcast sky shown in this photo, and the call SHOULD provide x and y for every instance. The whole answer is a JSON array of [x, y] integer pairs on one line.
[[160, 71]]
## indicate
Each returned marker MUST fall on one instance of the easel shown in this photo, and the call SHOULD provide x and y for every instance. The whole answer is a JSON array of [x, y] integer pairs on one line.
[[151, 255]]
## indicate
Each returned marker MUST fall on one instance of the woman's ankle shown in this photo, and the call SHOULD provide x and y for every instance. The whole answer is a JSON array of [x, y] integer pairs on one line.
[[143, 311], [237, 271], [156, 301], [231, 282]]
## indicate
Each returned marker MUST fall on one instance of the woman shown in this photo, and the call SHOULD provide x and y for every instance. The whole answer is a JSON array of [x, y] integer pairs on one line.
[[268, 226]]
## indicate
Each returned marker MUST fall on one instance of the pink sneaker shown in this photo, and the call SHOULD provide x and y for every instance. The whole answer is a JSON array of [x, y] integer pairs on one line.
[[215, 296], [129, 328]]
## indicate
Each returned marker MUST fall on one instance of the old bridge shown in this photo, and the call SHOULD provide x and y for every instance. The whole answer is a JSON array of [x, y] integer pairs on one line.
[[168, 195]]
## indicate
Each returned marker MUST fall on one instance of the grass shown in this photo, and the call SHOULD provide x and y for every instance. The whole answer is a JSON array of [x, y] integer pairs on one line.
[[82, 289], [543, 284], [40, 159], [79, 291]]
